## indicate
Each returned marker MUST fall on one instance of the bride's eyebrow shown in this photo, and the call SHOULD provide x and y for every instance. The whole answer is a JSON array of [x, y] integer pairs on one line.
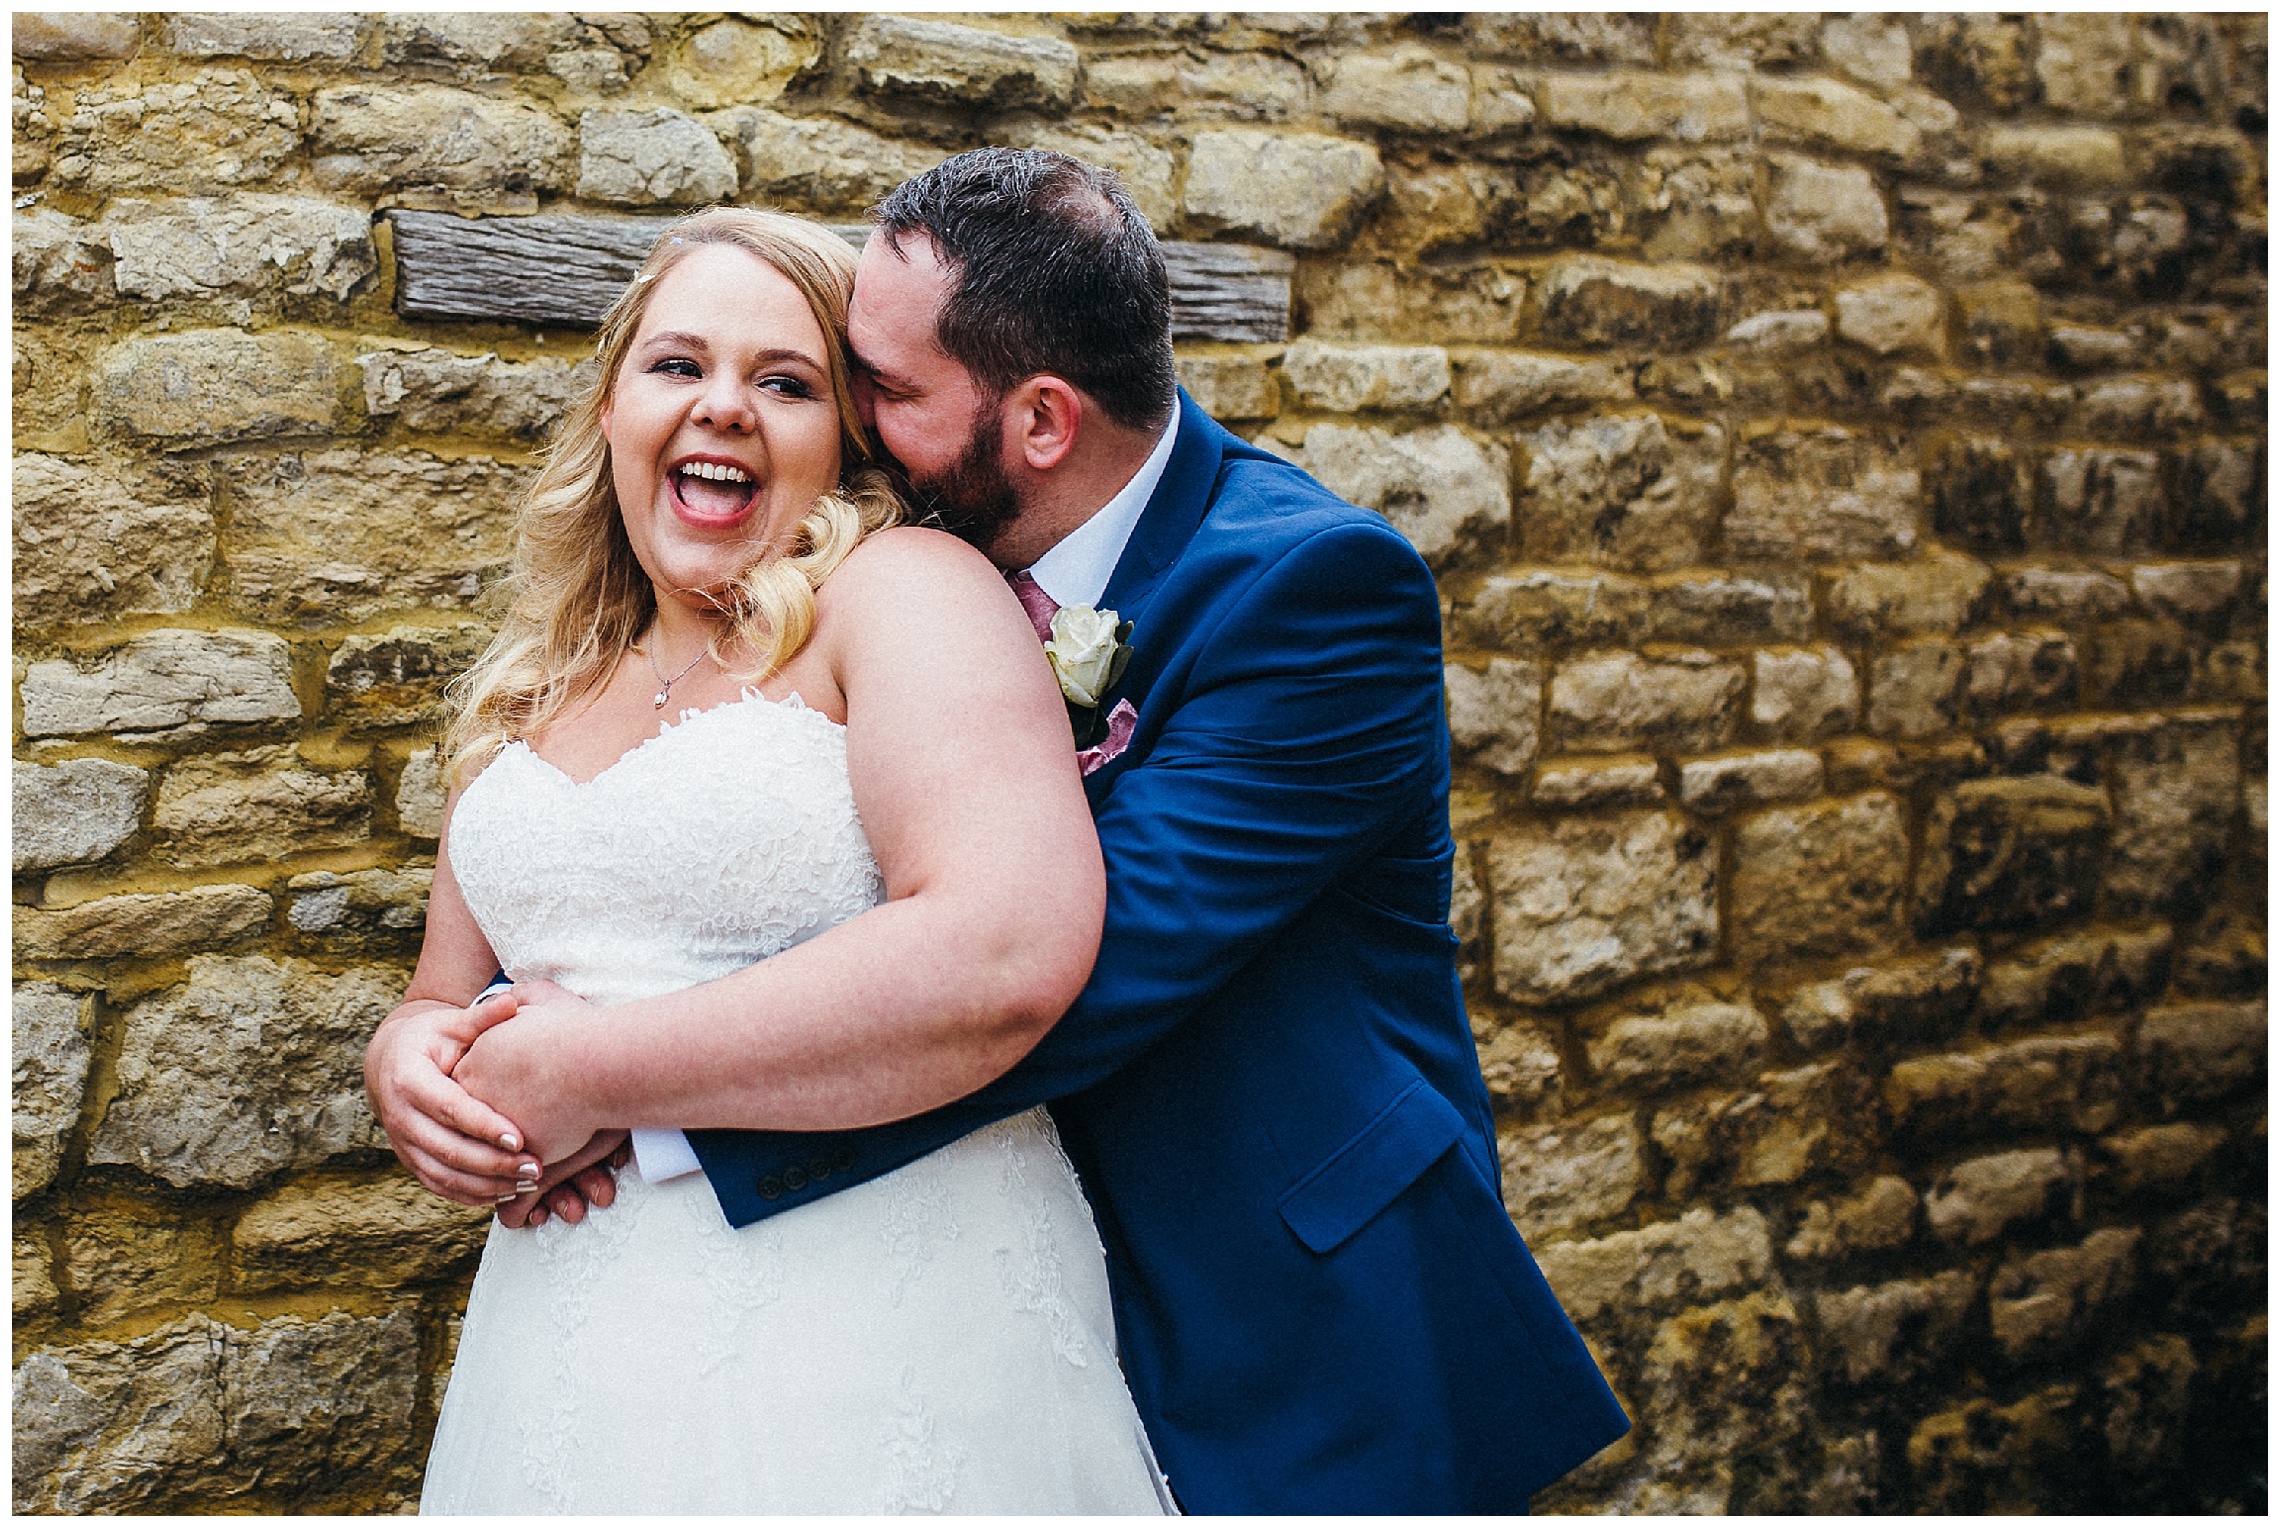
[[681, 339]]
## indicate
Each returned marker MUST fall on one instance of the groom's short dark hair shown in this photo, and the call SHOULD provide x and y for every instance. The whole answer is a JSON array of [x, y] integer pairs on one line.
[[1053, 269]]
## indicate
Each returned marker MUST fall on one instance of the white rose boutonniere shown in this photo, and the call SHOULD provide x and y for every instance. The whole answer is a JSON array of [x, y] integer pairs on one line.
[[1088, 651]]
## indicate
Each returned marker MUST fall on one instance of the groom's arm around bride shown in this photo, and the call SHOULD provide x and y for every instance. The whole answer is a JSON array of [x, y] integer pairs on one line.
[[1268, 1084]]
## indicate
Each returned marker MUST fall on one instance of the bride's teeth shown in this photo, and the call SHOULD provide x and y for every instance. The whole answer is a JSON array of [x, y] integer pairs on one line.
[[715, 472]]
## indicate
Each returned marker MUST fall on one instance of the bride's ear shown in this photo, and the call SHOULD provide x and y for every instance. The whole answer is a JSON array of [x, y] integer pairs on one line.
[[1047, 413]]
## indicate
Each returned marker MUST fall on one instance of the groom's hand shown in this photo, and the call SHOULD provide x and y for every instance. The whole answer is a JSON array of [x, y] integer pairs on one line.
[[457, 1145], [587, 1178]]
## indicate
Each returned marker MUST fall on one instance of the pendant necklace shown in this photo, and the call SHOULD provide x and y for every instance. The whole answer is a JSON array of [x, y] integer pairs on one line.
[[664, 685]]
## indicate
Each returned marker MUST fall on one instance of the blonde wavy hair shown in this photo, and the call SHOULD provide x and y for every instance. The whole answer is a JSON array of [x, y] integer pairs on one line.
[[575, 597]]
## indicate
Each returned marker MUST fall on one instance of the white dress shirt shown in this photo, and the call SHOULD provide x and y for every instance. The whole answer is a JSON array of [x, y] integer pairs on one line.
[[1075, 570]]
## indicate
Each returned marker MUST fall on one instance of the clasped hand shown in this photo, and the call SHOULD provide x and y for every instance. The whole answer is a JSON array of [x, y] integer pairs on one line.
[[469, 1108]]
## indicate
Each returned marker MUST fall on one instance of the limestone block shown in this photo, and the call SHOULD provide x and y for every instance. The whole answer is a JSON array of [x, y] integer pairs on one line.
[[31, 1284], [2083, 348], [1701, 1253], [420, 795], [105, 1426], [2001, 321], [1493, 712], [819, 162], [1589, 300], [2202, 1051], [1410, 90], [1915, 689], [75, 812], [1521, 1065], [58, 263], [2137, 406], [1781, 331], [1939, 592], [1893, 1332], [1680, 701], [2140, 664], [2089, 157], [1695, 204], [261, 804], [1904, 1000], [1478, 305], [1823, 879], [2160, 1157], [50, 1031], [1147, 171], [284, 38], [931, 60], [732, 62], [163, 679], [1985, 1455], [1880, 1218], [454, 146], [1977, 1199], [1533, 608], [2041, 1301], [2066, 594], [1298, 190], [251, 1066], [1634, 490], [1873, 49], [2194, 592], [2084, 62], [1245, 86], [1230, 386], [143, 924], [1502, 385], [73, 36], [92, 546], [1597, 780], [2010, 854], [306, 1399], [376, 909], [2176, 796], [217, 129], [343, 534], [1743, 40], [248, 243], [396, 677], [1824, 213], [1719, 609], [2150, 1387], [1346, 378], [1717, 1379], [1585, 904], [2020, 670], [2219, 495], [1598, 37], [1982, 57], [1695, 1038], [474, 43], [1821, 492], [1438, 486], [643, 158], [1785, 1125], [439, 392], [1830, 114], [1566, 1174], [1729, 782], [1798, 694], [211, 387], [1501, 101], [2066, 976], [1893, 314], [125, 1260], [1466, 901], [1981, 491], [1631, 105], [2074, 1081], [385, 1234]]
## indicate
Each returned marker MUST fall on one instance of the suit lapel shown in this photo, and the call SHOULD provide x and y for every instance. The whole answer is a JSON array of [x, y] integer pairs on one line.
[[1173, 513]]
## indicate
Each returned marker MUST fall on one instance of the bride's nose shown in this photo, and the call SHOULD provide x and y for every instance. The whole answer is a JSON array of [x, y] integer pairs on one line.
[[726, 403]]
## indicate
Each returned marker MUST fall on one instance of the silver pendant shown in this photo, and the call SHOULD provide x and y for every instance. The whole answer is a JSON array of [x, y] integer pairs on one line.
[[661, 698]]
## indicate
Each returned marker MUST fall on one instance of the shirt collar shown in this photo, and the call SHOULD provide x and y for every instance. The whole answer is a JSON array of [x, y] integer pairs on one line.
[[1076, 569]]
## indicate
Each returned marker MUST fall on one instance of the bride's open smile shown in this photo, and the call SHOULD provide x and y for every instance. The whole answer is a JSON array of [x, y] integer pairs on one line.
[[722, 426]]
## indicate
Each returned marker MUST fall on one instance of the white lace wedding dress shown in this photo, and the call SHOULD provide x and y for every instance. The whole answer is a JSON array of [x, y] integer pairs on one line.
[[936, 1340]]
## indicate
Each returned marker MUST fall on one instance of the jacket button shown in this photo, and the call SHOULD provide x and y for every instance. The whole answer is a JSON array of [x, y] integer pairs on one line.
[[845, 1159], [771, 1187], [819, 1169], [795, 1178]]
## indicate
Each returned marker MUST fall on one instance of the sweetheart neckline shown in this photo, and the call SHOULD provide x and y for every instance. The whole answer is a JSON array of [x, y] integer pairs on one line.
[[792, 703]]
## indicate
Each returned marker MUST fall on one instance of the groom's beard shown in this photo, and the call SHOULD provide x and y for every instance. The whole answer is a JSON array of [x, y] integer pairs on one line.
[[972, 498]]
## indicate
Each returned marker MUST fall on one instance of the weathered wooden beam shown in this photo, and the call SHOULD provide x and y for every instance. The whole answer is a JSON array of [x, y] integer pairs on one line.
[[567, 268]]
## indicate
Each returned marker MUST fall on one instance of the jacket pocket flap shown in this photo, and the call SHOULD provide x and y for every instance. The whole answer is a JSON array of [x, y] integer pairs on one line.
[[1366, 1174]]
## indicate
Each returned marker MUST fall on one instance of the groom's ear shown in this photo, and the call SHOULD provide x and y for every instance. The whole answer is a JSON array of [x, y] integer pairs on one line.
[[1045, 414]]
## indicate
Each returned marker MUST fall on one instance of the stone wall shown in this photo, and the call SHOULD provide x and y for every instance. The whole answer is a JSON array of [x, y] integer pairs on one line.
[[1841, 443]]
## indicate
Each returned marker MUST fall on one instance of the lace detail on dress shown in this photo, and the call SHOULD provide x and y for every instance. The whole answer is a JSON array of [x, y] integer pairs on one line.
[[877, 1349]]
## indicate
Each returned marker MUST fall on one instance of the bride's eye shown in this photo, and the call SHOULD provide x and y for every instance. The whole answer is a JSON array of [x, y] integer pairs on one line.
[[787, 387], [676, 366]]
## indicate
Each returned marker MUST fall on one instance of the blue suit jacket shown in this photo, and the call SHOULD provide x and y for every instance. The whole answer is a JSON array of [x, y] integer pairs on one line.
[[1269, 1085]]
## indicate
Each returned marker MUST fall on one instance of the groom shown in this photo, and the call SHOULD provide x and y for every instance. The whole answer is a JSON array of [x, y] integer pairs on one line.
[[1269, 1084]]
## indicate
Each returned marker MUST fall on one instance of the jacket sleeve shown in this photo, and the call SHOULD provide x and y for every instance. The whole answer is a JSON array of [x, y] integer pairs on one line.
[[1307, 729]]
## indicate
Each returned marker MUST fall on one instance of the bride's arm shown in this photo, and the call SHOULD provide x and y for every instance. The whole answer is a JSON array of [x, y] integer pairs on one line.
[[966, 782]]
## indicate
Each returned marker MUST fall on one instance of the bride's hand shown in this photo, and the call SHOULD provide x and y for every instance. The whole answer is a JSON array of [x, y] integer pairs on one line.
[[516, 1068], [586, 1179], [454, 1143]]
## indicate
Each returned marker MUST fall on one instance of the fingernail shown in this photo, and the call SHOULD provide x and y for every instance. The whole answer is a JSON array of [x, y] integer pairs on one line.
[[511, 1141], [508, 1198], [527, 1170]]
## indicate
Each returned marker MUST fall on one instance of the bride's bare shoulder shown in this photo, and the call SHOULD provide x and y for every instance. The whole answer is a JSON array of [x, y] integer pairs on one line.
[[912, 563]]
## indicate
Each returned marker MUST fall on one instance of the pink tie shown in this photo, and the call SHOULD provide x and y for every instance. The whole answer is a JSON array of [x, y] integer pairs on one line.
[[1036, 601]]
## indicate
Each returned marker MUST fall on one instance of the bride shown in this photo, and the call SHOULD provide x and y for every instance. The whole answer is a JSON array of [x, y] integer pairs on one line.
[[734, 711]]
